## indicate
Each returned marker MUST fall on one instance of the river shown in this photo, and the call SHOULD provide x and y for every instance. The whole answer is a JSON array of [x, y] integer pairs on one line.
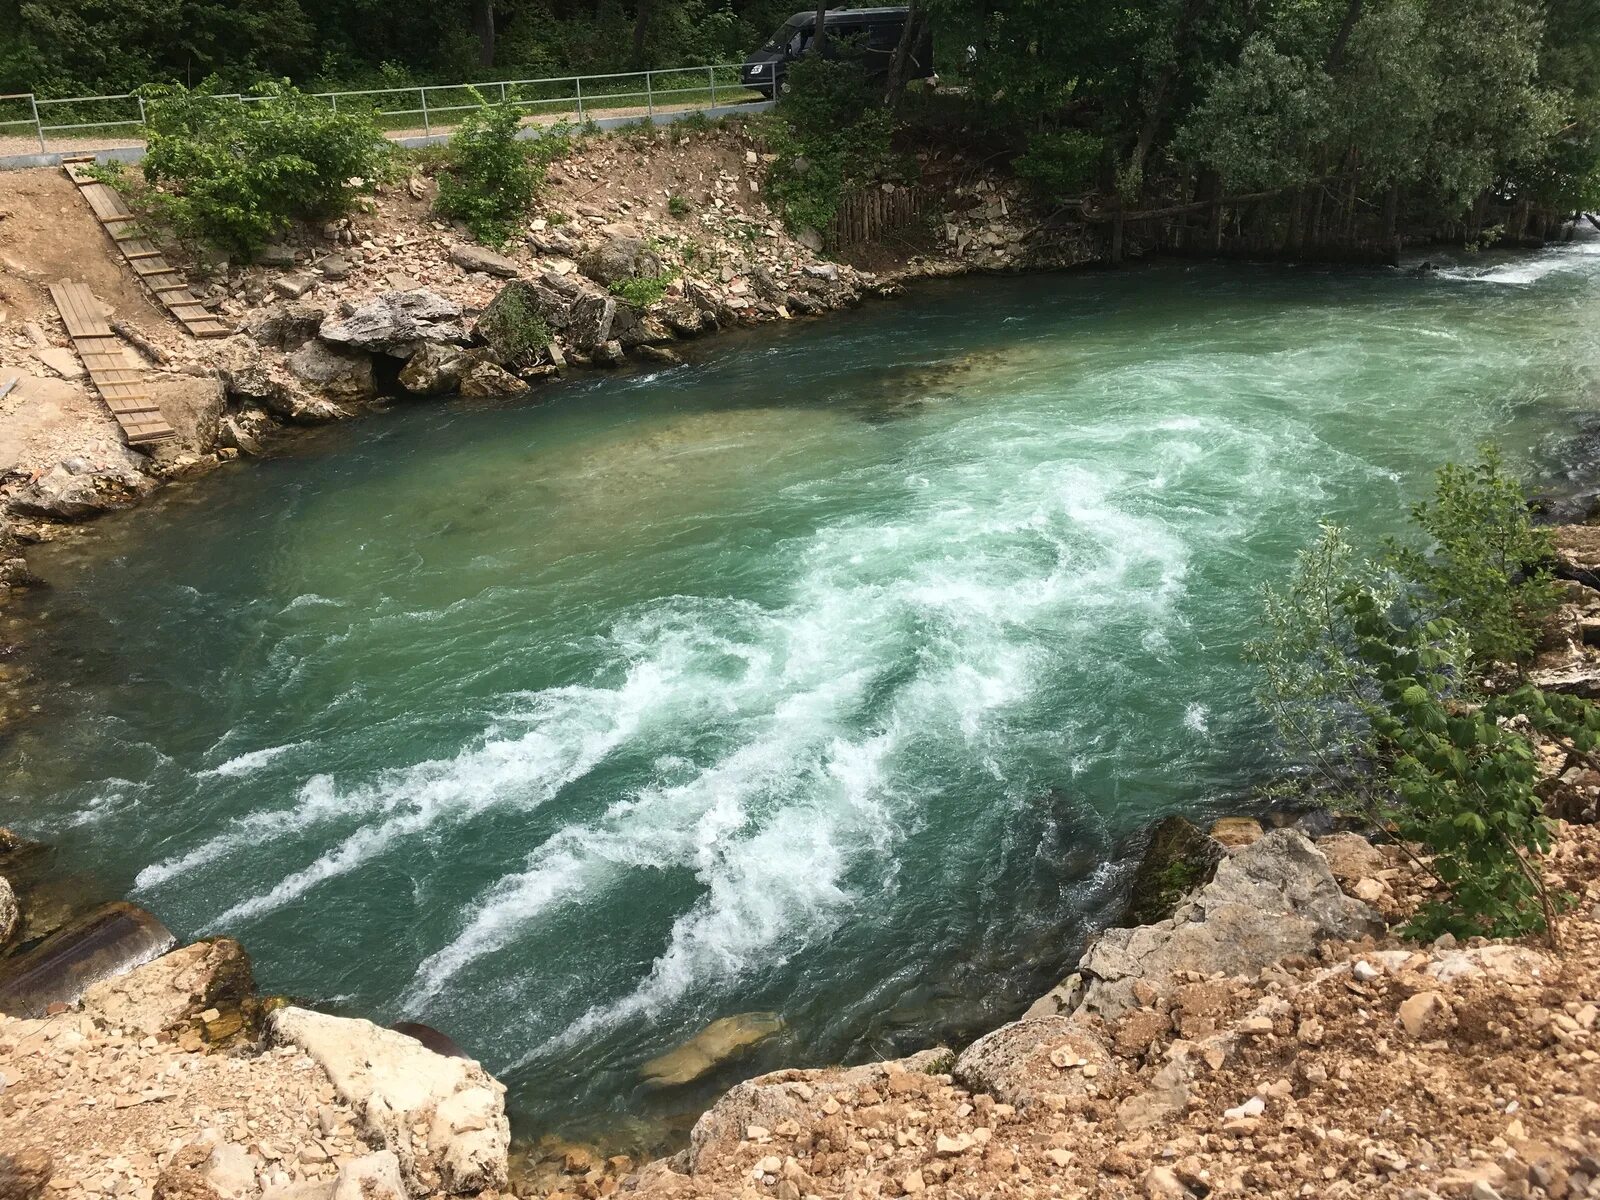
[[829, 676]]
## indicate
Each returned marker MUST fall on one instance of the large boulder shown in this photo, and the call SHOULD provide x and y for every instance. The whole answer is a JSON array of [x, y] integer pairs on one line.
[[590, 325], [619, 253], [337, 374], [719, 1042], [517, 324], [487, 379], [193, 406], [436, 370], [396, 323], [1270, 899], [76, 489], [286, 398], [1035, 1056], [767, 1101], [479, 258], [113, 939], [397, 1086], [174, 989], [1177, 859], [10, 912], [1577, 553], [286, 328]]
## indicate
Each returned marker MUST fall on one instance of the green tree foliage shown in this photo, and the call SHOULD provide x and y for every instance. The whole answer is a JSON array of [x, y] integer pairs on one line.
[[490, 178], [1485, 566], [831, 133], [1370, 671], [237, 175]]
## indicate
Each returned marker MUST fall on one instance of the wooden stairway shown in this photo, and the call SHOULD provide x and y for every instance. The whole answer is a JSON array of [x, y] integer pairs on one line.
[[121, 386], [146, 261]]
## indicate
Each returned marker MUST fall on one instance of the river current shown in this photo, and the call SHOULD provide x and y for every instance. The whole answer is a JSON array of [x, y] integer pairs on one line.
[[829, 676]]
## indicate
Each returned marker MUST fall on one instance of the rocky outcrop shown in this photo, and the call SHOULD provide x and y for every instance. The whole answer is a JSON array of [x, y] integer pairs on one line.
[[436, 370], [1273, 898], [1177, 859], [397, 1086], [487, 379], [589, 322], [719, 1042], [176, 989], [1021, 1062], [396, 323], [287, 398], [337, 374], [286, 328], [194, 408], [77, 489], [620, 253], [111, 940]]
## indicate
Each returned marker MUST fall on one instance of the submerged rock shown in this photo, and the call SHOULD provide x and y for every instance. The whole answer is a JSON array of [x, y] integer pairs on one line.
[[109, 941], [397, 1086], [717, 1043]]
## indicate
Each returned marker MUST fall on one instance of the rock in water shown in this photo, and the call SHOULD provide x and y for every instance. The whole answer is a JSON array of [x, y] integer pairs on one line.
[[396, 1085], [396, 323], [486, 379], [112, 939], [1178, 859], [714, 1045]]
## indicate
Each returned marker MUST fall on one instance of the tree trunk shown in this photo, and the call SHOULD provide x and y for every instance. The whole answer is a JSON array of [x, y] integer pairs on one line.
[[1352, 14], [1193, 11], [483, 26], [641, 30], [819, 35], [909, 37]]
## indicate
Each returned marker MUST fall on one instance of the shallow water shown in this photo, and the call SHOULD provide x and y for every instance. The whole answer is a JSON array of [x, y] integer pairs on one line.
[[827, 676]]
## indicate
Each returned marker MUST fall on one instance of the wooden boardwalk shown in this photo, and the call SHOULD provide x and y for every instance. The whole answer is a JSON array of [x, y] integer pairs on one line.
[[121, 385], [164, 282]]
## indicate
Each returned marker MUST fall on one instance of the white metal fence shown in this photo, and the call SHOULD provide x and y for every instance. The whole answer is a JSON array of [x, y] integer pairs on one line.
[[30, 124]]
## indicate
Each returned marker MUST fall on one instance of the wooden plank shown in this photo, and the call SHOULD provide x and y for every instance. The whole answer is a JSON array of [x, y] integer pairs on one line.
[[121, 386]]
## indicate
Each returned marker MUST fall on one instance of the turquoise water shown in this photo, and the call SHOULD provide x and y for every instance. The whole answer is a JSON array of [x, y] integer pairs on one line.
[[829, 675]]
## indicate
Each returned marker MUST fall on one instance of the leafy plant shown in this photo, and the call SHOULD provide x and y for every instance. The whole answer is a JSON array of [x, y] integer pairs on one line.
[[677, 205], [642, 291], [1059, 164], [239, 174], [1486, 566], [491, 178]]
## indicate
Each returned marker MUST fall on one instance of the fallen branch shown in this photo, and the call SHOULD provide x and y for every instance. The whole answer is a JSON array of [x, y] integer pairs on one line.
[[139, 342]]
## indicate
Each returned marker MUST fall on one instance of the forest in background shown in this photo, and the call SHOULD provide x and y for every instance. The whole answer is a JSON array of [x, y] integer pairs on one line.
[[1289, 122]]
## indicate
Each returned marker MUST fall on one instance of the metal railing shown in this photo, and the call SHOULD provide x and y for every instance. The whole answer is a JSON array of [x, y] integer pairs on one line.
[[87, 123]]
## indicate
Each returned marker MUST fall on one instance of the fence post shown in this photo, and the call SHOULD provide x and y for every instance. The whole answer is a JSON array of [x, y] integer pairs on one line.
[[427, 127], [502, 95], [649, 97], [143, 120], [711, 74], [38, 125], [577, 84], [334, 96]]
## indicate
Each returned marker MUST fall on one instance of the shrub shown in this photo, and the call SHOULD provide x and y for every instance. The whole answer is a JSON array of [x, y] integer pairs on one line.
[[642, 290], [490, 178], [1061, 164], [238, 175], [1485, 567], [677, 205], [1370, 673]]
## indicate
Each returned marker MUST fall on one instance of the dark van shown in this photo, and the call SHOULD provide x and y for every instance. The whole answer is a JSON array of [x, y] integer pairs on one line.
[[871, 32]]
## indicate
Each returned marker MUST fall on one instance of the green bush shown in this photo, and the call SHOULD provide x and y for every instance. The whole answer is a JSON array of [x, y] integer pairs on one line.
[[1061, 164], [642, 290], [1486, 565], [1371, 672], [238, 174], [677, 205], [490, 178]]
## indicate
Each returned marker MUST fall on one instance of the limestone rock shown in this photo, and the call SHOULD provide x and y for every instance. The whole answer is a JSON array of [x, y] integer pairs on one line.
[[1425, 1015], [276, 255], [621, 254], [394, 1083], [1026, 1059], [717, 1043], [175, 988], [25, 1175], [10, 912], [1577, 553], [479, 258], [589, 327], [1271, 899], [770, 1101], [517, 324], [106, 942], [292, 287], [338, 374], [487, 379], [285, 397], [286, 328], [1350, 856], [193, 407], [1177, 859], [435, 370], [1235, 832], [396, 322], [76, 489]]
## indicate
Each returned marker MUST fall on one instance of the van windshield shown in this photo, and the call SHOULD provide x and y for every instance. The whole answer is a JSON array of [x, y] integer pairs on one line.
[[781, 39]]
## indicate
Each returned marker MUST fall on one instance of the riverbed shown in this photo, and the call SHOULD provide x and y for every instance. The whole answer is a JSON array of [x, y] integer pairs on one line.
[[831, 675]]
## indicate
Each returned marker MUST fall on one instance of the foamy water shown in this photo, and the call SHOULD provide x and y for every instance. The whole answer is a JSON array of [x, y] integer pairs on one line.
[[830, 676]]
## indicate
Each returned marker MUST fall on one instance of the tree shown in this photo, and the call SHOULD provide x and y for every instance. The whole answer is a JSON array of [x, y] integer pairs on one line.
[[483, 27]]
